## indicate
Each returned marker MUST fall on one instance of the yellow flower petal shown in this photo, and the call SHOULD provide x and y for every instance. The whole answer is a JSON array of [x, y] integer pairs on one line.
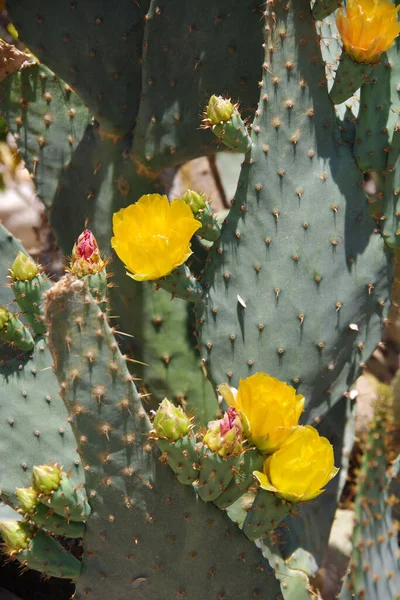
[[228, 393], [272, 409], [302, 466], [152, 237], [264, 481], [368, 28]]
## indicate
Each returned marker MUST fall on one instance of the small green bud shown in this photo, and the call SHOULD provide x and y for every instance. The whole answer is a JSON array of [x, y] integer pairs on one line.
[[219, 110], [195, 200], [4, 317], [23, 268], [15, 535], [170, 421], [46, 478], [28, 499], [225, 436]]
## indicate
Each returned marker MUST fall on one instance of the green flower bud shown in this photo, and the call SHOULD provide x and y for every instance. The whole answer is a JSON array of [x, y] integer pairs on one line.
[[4, 317], [219, 110], [225, 436], [28, 499], [170, 421], [195, 200], [23, 268], [15, 535], [46, 478]]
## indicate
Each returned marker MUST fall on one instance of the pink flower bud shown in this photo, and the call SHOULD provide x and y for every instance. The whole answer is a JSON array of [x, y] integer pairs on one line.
[[86, 245], [86, 258], [230, 420], [225, 436]]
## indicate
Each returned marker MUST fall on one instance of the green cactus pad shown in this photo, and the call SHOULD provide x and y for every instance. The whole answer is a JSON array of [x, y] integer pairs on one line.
[[68, 500], [44, 517], [33, 421], [210, 230], [374, 563], [233, 133], [14, 332], [97, 283], [265, 514], [182, 457], [48, 556], [350, 76], [182, 284], [216, 473], [391, 223], [323, 8], [137, 504], [166, 345], [29, 297], [48, 120], [219, 59], [274, 303], [372, 134], [93, 47], [242, 479]]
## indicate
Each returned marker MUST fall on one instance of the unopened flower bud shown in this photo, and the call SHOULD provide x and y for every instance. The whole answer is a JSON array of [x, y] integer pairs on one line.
[[219, 110], [225, 436], [170, 421], [46, 478], [4, 317], [23, 268], [28, 499], [86, 258], [15, 535], [195, 200]]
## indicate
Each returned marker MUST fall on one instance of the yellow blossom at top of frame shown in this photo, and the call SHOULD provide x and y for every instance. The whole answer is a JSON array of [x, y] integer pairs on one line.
[[152, 236], [368, 28]]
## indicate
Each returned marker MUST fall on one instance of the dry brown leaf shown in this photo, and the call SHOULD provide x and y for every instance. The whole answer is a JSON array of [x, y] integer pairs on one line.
[[11, 59]]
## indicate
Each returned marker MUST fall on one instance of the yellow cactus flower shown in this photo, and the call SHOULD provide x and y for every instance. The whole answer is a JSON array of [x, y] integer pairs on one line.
[[300, 469], [270, 409], [152, 237], [368, 28]]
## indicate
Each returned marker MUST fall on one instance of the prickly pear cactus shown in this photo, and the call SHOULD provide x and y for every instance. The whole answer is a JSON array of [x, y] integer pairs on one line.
[[374, 564], [137, 505], [297, 285]]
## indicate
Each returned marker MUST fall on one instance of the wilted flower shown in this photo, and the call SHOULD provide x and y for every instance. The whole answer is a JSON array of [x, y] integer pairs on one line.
[[15, 535], [300, 469], [225, 436], [270, 409], [170, 421], [23, 268], [86, 258], [368, 28], [46, 478], [152, 237]]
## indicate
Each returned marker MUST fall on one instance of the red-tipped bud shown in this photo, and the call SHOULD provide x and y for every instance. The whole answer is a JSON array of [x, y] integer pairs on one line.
[[86, 258], [225, 436]]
